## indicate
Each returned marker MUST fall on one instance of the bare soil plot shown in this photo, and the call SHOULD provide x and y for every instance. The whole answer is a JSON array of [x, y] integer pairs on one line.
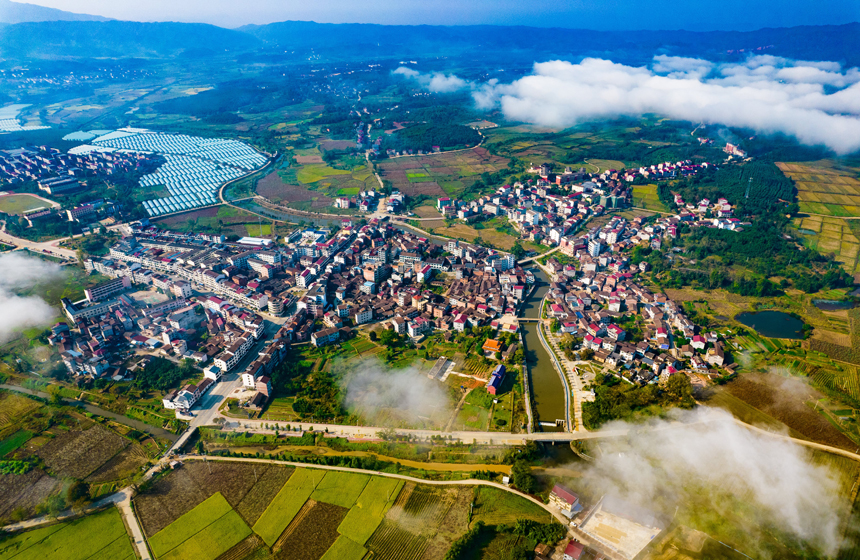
[[77, 454], [314, 533], [309, 159], [25, 491], [121, 466], [276, 190]]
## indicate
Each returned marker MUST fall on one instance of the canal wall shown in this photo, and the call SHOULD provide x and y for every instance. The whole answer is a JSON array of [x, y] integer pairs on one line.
[[567, 417]]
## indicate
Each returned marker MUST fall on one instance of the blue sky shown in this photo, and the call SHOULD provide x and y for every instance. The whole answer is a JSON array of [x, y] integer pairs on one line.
[[699, 15]]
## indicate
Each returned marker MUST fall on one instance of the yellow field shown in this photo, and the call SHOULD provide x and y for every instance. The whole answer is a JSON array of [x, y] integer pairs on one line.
[[832, 235], [825, 188]]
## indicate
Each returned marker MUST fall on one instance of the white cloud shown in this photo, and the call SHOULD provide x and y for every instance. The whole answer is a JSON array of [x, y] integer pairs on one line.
[[18, 312], [704, 462], [765, 93]]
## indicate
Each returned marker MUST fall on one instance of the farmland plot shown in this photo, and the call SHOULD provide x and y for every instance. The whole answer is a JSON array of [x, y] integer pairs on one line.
[[25, 491], [371, 506], [287, 504], [189, 524], [390, 542], [105, 538], [314, 533], [340, 488], [344, 549], [76, 454]]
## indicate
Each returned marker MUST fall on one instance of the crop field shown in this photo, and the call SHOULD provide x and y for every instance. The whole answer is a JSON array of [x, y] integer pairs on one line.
[[457, 231], [106, 539], [205, 532], [645, 196], [825, 188], [390, 542], [247, 487], [274, 188], [20, 203], [603, 165], [832, 235], [14, 407], [441, 174], [77, 454], [312, 533], [280, 408], [375, 500], [427, 212], [340, 488], [222, 219], [120, 466], [287, 504], [344, 549], [14, 441]]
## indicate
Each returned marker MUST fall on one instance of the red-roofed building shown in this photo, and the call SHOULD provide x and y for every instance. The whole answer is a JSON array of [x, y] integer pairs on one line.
[[573, 551], [565, 500]]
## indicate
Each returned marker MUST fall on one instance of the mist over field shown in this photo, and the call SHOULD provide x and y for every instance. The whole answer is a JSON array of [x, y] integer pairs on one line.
[[704, 465], [17, 312], [394, 396], [818, 103]]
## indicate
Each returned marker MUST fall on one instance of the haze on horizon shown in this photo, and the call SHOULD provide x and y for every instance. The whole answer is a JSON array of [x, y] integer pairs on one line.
[[693, 15]]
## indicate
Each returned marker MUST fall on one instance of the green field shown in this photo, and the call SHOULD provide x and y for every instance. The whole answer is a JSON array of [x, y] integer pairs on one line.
[[287, 504], [497, 507], [363, 519], [340, 488], [14, 441], [345, 549], [100, 536], [316, 172], [645, 196], [213, 541], [189, 524], [20, 203]]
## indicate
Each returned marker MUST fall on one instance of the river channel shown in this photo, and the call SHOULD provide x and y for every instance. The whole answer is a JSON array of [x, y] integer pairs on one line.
[[547, 389]]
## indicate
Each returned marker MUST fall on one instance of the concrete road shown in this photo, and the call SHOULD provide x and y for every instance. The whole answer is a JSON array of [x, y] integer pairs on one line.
[[52, 246]]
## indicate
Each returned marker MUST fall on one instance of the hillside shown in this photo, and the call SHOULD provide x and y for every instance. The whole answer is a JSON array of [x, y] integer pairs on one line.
[[18, 12], [117, 39]]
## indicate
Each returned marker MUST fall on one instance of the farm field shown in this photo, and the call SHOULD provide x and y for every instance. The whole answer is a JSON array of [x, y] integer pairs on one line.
[[825, 188], [287, 503], [205, 532], [106, 539], [21, 203], [249, 488], [216, 219], [444, 174], [645, 196], [315, 514], [832, 235]]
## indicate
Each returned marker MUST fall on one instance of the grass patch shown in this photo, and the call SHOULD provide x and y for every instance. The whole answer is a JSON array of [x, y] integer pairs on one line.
[[189, 524], [90, 537], [313, 173], [497, 507], [348, 191], [375, 500], [20, 203], [287, 504], [340, 488]]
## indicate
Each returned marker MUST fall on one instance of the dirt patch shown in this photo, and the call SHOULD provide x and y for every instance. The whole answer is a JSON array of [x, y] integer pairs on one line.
[[197, 214], [427, 212], [77, 454], [182, 490], [309, 159], [329, 145], [123, 465], [274, 188], [25, 491], [314, 533]]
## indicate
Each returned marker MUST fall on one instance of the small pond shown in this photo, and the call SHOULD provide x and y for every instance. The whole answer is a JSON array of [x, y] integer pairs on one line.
[[832, 305], [773, 324]]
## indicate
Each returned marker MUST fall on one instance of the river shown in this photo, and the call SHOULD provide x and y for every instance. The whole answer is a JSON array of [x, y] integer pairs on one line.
[[546, 386]]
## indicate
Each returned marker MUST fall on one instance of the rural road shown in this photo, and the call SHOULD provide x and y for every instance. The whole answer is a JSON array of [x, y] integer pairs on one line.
[[52, 246]]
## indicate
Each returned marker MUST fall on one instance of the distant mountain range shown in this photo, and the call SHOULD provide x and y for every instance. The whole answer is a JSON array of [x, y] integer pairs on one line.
[[17, 12], [490, 44]]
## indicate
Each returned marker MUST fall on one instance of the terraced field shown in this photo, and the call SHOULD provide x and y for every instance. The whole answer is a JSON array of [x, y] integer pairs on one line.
[[832, 235], [824, 187]]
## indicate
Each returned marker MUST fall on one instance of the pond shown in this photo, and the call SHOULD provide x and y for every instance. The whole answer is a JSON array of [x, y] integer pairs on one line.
[[833, 305], [773, 324]]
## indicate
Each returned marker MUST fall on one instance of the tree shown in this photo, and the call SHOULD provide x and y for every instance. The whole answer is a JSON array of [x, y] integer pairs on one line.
[[373, 336], [522, 478], [679, 390], [586, 354], [78, 493], [517, 251]]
